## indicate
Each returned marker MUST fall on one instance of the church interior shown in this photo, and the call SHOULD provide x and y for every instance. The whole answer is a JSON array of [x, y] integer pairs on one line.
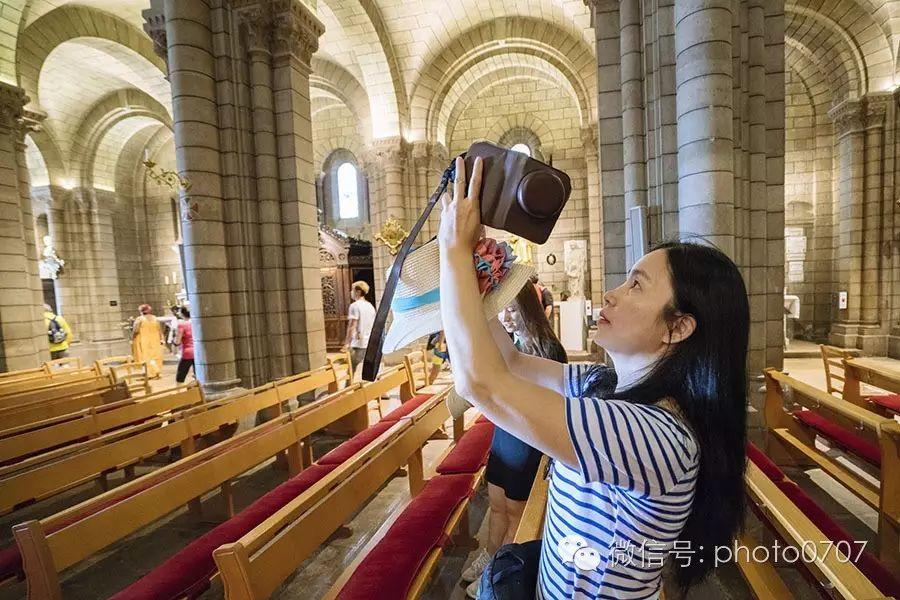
[[247, 166]]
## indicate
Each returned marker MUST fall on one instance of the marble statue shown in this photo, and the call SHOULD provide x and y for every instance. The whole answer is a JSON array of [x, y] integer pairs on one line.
[[51, 264], [575, 263]]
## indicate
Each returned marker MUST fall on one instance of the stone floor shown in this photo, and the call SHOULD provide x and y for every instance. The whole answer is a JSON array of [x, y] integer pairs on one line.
[[112, 569]]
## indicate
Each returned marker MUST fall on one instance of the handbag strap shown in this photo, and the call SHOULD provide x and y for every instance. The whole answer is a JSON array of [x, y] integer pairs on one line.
[[372, 361]]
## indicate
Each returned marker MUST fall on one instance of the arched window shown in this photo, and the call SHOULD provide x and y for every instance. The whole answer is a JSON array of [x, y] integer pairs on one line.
[[348, 191], [523, 148]]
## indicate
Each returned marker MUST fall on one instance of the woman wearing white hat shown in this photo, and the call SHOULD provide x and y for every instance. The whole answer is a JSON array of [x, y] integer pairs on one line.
[[655, 458]]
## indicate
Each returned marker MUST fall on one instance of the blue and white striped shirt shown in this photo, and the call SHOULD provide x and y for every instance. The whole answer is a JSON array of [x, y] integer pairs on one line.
[[611, 523]]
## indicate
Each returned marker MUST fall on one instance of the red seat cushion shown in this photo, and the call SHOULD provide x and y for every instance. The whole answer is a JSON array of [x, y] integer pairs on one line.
[[765, 464], [867, 563], [481, 419], [10, 563], [390, 567], [471, 451], [890, 401], [187, 573], [359, 441], [407, 407], [841, 436]]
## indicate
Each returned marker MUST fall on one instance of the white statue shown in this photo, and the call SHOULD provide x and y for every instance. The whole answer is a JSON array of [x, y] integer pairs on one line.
[[51, 264], [576, 261]]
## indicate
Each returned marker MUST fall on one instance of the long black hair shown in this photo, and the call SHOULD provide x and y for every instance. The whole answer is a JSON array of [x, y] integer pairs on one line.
[[537, 333], [706, 375]]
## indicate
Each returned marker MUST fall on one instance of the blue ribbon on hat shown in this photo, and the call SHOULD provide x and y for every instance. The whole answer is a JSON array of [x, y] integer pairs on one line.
[[411, 302]]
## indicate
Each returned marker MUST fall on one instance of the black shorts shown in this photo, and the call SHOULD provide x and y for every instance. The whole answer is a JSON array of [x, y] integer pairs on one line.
[[512, 465]]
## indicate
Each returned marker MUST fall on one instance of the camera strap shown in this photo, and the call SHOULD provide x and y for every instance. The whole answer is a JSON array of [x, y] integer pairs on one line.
[[372, 361]]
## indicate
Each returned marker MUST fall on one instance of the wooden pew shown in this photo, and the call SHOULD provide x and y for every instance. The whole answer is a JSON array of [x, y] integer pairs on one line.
[[7, 376], [62, 364], [861, 372], [889, 515], [36, 478], [63, 400], [531, 526], [31, 384], [790, 434], [254, 566], [53, 544], [92, 422]]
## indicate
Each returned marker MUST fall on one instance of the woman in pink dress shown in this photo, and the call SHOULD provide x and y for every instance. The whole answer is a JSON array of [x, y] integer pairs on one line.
[[185, 339]]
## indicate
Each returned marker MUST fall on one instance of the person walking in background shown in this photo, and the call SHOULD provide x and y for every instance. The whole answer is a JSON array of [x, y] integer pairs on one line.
[[437, 347], [544, 294], [513, 464], [147, 341], [59, 334], [359, 326], [184, 337]]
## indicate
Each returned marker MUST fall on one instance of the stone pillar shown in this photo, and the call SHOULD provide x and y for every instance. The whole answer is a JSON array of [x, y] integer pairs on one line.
[[876, 108], [633, 126], [23, 341], [848, 118], [296, 34], [386, 161], [262, 102], [704, 103], [191, 68], [595, 208]]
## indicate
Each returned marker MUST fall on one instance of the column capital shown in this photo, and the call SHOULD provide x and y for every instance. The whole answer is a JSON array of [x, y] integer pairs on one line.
[[155, 28], [296, 30], [848, 117], [876, 108], [257, 17], [385, 152], [12, 106]]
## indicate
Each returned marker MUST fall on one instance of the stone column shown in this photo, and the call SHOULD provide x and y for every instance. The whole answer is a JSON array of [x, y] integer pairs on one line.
[[848, 118], [258, 20], [386, 161], [876, 108], [296, 34], [633, 126], [595, 208], [23, 341], [703, 71], [191, 68]]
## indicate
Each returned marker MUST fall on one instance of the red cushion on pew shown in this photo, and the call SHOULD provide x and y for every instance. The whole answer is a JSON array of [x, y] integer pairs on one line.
[[187, 573], [867, 563], [481, 419], [10, 563], [889, 401], [765, 464], [390, 567], [346, 450], [471, 452], [407, 407], [842, 436]]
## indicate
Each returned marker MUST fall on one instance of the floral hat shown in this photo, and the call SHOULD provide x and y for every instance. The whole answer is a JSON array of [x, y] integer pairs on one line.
[[416, 306]]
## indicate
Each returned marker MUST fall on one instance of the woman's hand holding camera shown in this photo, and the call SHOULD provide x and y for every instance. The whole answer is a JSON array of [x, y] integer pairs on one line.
[[461, 226]]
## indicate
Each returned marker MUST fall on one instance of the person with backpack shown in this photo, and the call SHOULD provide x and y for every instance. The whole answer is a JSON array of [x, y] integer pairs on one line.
[[59, 334]]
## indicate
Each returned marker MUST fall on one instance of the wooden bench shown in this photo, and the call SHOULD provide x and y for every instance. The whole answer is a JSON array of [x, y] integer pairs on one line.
[[62, 400], [10, 389], [852, 429], [43, 436], [50, 545], [61, 364], [531, 526], [37, 478], [8, 376], [798, 522], [133, 375], [392, 562], [861, 372]]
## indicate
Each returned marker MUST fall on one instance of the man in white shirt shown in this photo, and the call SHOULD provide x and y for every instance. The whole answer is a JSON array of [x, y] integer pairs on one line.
[[359, 326]]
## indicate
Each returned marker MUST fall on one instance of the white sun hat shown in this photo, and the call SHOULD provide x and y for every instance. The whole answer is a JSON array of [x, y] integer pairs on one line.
[[416, 306]]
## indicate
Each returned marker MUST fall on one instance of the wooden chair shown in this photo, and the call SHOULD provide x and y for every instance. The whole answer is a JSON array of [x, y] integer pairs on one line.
[[59, 433], [793, 432], [50, 545], [102, 365], [133, 375], [61, 364], [417, 363], [863, 377]]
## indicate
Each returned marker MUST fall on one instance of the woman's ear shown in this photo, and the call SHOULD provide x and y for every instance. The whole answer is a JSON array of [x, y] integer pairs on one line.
[[681, 329]]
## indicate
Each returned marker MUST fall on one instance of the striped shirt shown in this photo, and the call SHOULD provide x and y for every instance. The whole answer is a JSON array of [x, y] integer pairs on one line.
[[611, 522]]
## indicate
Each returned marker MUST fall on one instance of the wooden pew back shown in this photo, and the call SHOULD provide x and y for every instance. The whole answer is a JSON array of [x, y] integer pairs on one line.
[[41, 371], [9, 391], [531, 525], [61, 364], [92, 422], [859, 372], [50, 545], [102, 365], [67, 399], [889, 515], [833, 362], [254, 566], [417, 365]]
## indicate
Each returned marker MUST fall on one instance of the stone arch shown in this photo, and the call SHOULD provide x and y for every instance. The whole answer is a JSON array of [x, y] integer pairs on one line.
[[501, 38], [370, 51], [522, 135], [57, 171], [799, 59], [340, 83], [69, 22], [38, 172], [524, 122]]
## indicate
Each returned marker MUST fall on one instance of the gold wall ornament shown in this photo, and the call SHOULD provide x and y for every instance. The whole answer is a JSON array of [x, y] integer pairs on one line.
[[523, 249], [165, 177], [392, 235]]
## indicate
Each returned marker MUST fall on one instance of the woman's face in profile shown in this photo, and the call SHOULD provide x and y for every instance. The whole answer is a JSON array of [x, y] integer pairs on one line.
[[509, 317], [631, 320]]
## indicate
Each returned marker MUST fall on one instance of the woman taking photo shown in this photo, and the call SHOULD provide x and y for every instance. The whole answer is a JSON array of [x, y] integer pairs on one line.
[[659, 458], [513, 464]]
